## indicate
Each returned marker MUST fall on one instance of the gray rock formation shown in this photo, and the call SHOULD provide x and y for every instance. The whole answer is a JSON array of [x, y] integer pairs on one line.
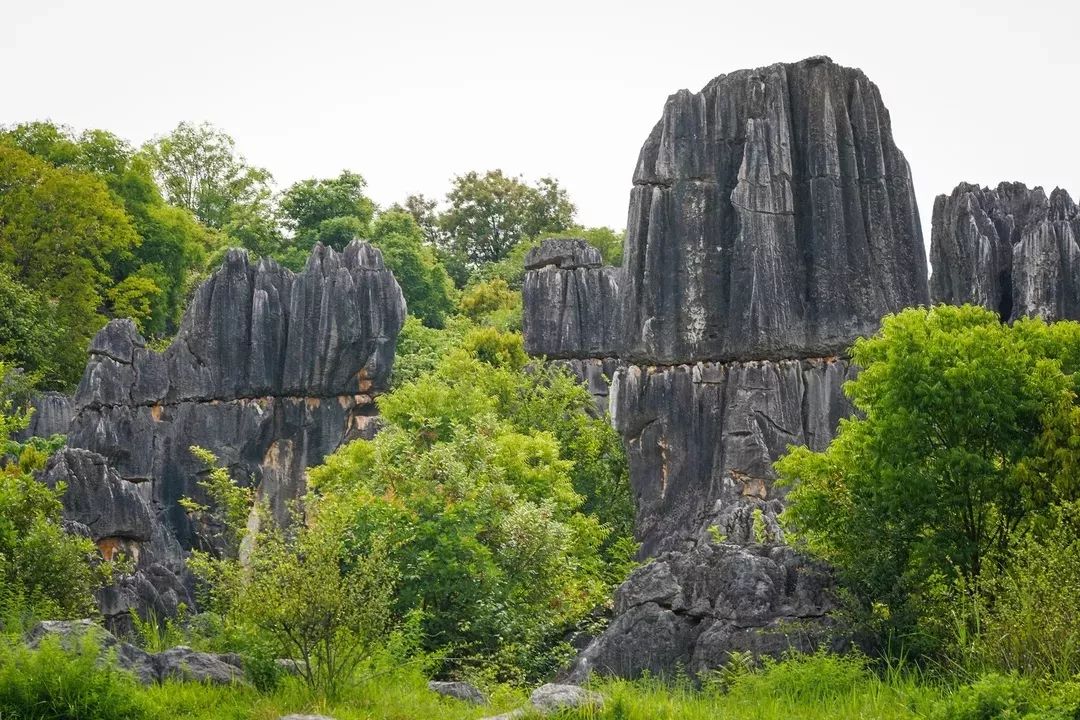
[[1010, 249], [554, 699], [179, 663], [573, 307], [466, 692], [120, 518], [772, 222], [51, 416], [772, 217], [270, 370]]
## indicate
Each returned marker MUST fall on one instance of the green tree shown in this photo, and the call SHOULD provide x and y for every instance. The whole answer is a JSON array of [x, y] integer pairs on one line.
[[61, 234], [44, 572], [966, 431], [492, 303], [172, 241], [425, 213], [299, 590], [489, 214], [476, 483], [198, 168], [332, 211], [428, 290]]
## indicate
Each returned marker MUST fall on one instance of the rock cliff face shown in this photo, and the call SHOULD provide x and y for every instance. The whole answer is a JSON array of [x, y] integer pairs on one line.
[[270, 370], [1010, 249], [119, 517], [772, 222]]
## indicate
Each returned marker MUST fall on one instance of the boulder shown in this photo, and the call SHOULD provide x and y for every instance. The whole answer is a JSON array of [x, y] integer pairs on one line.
[[1011, 249], [187, 665], [553, 697], [73, 634], [178, 663], [463, 691]]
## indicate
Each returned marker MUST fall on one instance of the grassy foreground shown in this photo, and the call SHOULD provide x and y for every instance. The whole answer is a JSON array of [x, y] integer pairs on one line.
[[50, 684]]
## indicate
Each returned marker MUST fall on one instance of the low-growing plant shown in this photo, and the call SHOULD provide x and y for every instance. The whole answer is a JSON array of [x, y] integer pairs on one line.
[[51, 683]]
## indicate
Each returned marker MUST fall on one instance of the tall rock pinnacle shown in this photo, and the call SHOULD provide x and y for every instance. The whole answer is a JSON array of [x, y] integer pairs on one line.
[[772, 222]]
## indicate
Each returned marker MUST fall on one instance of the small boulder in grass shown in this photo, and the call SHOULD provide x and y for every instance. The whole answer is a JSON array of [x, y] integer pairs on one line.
[[305, 717], [553, 697], [463, 691]]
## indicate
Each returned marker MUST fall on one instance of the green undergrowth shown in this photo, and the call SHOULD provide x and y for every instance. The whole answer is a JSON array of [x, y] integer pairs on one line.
[[51, 684]]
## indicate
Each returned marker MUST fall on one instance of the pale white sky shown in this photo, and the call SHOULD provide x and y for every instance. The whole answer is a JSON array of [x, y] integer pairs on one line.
[[411, 93]]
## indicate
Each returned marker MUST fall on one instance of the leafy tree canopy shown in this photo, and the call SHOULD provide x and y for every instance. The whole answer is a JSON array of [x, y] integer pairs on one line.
[[967, 433], [61, 233], [488, 214], [332, 211], [198, 168], [428, 290]]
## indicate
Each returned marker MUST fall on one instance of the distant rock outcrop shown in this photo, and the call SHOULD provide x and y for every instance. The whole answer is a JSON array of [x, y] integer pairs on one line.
[[772, 222], [51, 416], [1010, 249], [271, 371]]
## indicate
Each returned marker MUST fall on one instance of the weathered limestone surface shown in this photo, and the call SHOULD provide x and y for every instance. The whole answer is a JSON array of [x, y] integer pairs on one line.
[[772, 222], [178, 663], [1010, 249], [271, 370], [573, 307], [51, 416], [772, 217]]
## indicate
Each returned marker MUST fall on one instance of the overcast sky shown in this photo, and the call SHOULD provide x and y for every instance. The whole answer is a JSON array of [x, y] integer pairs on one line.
[[411, 93]]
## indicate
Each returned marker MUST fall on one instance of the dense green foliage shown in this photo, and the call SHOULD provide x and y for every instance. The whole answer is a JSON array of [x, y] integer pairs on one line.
[[52, 684], [44, 571], [491, 213], [503, 502], [331, 211], [198, 168], [427, 287], [968, 435]]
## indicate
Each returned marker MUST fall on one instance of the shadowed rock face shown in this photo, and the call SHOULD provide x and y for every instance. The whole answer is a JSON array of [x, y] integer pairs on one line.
[[271, 371], [772, 222], [120, 518], [1010, 249]]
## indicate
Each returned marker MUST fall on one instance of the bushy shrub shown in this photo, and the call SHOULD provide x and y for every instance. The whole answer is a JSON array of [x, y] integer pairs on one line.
[[965, 436], [991, 697], [52, 684], [483, 482], [1027, 622]]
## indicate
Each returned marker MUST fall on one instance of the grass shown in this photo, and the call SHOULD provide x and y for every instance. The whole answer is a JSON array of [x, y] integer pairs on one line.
[[52, 685]]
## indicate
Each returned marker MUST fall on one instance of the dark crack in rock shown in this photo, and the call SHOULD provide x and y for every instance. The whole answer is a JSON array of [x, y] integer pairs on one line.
[[1010, 249]]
